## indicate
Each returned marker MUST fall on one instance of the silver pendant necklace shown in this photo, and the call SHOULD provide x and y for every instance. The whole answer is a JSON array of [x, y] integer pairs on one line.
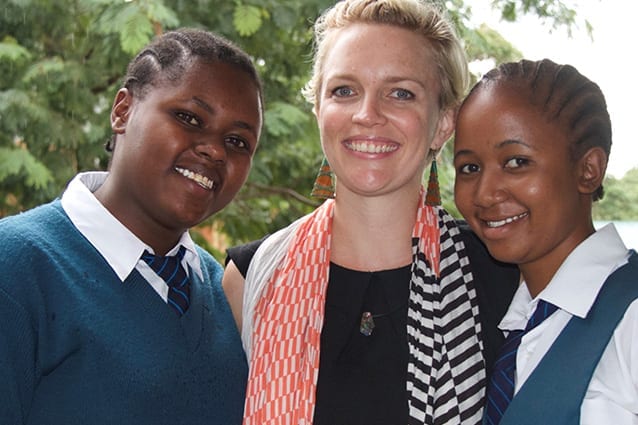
[[366, 326]]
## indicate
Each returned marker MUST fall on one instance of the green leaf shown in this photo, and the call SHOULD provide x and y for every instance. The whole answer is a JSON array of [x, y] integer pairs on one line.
[[12, 51], [21, 3], [284, 17], [158, 12], [280, 117], [15, 162], [130, 22], [92, 3], [137, 32], [18, 102], [43, 68], [247, 19]]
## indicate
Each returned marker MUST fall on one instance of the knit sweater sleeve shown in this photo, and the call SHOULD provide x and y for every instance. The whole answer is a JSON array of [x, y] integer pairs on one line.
[[18, 333], [17, 360]]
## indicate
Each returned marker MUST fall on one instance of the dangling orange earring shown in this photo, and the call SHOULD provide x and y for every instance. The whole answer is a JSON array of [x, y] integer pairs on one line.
[[433, 194], [324, 186]]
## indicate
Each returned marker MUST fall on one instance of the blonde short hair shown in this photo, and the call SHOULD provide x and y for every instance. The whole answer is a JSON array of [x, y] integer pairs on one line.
[[420, 16]]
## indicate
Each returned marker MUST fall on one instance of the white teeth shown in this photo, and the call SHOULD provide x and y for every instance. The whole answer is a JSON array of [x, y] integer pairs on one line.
[[203, 181], [508, 220], [371, 147]]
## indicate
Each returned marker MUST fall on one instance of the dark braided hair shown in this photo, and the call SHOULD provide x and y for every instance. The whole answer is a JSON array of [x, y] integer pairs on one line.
[[564, 94], [168, 56]]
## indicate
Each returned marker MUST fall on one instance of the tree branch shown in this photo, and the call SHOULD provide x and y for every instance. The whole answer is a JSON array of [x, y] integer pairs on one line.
[[285, 191]]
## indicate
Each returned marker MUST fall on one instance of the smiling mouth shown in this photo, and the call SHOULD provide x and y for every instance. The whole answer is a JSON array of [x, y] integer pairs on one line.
[[203, 181], [367, 147], [508, 220]]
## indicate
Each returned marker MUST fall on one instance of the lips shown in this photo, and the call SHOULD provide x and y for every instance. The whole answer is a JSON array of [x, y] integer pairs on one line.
[[371, 147], [503, 222], [200, 179]]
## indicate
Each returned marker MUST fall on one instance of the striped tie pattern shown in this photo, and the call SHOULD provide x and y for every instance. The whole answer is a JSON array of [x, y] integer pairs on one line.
[[500, 390], [170, 269]]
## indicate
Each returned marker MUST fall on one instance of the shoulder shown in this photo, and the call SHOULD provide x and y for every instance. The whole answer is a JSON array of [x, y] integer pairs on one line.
[[242, 255], [32, 231], [212, 270], [33, 220]]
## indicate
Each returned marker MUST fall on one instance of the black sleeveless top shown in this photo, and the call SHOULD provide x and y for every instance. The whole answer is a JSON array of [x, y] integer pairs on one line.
[[362, 379]]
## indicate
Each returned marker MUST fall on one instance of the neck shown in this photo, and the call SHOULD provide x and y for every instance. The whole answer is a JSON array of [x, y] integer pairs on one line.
[[372, 234], [151, 232], [539, 273]]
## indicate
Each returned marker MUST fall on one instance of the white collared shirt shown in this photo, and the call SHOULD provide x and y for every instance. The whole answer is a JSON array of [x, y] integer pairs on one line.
[[121, 249], [612, 395]]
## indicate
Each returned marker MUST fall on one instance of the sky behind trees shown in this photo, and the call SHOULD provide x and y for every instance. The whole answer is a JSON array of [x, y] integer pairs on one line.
[[608, 59]]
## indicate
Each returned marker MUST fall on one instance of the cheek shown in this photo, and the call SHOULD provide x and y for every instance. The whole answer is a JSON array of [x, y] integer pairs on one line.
[[410, 120], [417, 127], [462, 197], [331, 117], [333, 125], [541, 190], [238, 171]]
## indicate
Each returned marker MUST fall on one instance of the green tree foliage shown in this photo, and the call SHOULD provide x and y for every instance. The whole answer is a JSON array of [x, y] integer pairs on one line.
[[620, 201], [61, 63]]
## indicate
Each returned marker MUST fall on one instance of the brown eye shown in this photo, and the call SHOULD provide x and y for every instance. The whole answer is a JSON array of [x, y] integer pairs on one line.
[[516, 162], [238, 143], [468, 169], [189, 119]]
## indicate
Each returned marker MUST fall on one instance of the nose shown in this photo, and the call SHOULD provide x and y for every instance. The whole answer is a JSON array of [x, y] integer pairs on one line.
[[490, 190], [213, 151], [369, 112]]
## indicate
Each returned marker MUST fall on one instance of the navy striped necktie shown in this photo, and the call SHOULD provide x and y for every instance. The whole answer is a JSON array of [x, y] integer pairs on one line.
[[500, 390], [170, 269]]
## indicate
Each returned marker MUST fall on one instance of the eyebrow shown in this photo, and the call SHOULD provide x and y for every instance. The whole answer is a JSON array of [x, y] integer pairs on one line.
[[203, 104], [245, 126], [392, 79], [462, 153], [500, 145], [209, 109], [508, 142]]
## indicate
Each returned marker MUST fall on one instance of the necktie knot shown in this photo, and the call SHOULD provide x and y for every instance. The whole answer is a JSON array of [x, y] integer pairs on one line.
[[500, 390], [170, 269], [542, 312]]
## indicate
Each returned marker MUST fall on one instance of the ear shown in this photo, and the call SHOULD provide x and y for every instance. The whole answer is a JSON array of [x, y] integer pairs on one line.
[[591, 168], [444, 129], [121, 110]]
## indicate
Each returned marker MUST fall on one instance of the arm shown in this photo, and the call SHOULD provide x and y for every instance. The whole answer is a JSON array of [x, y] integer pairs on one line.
[[233, 284], [238, 260], [17, 361]]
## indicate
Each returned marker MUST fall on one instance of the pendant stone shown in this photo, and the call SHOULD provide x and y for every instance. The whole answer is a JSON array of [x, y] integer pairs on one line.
[[367, 323]]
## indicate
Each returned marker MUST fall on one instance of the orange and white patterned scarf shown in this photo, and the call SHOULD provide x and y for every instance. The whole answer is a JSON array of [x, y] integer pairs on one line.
[[284, 298]]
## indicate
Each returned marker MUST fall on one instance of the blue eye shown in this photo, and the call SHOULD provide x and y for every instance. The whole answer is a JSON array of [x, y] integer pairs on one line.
[[343, 91], [402, 94]]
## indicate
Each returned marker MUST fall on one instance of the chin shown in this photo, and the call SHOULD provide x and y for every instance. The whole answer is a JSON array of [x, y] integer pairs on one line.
[[503, 253]]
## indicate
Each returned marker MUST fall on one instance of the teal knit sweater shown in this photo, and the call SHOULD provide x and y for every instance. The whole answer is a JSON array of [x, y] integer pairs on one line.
[[78, 346]]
